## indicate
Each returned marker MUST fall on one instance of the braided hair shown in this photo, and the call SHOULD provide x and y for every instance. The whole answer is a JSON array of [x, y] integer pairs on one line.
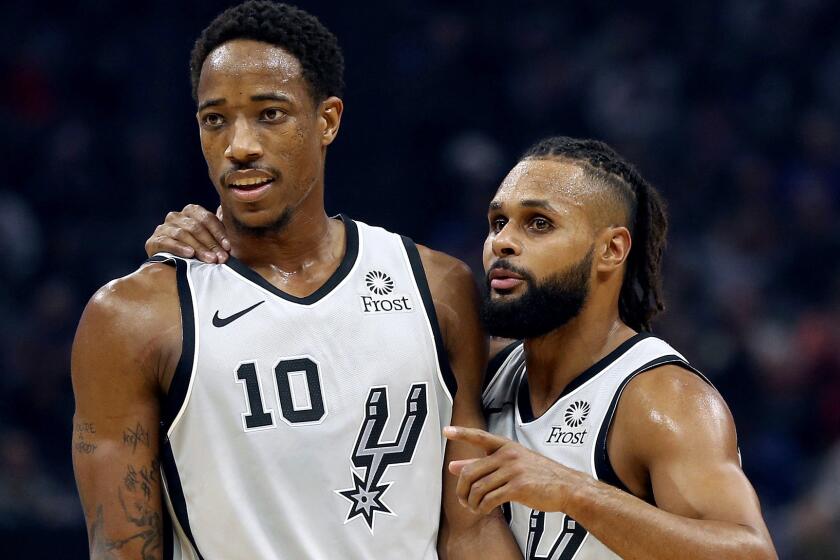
[[290, 28], [641, 298]]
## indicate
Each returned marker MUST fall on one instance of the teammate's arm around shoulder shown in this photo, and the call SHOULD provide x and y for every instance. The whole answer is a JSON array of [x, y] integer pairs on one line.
[[463, 534], [128, 337]]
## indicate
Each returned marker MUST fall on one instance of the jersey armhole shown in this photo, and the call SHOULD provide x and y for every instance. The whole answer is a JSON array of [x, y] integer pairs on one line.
[[173, 403], [176, 396], [601, 461], [422, 283]]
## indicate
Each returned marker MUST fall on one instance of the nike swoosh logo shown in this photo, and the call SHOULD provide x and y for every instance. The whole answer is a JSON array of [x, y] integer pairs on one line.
[[219, 322]]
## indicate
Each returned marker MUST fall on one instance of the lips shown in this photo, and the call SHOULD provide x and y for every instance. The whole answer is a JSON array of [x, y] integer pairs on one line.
[[249, 185], [250, 193], [502, 279]]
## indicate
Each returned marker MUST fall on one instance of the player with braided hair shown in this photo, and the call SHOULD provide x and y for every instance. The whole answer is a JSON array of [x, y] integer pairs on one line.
[[603, 439]]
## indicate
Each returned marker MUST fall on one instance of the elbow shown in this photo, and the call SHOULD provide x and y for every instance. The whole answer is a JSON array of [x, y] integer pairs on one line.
[[760, 547]]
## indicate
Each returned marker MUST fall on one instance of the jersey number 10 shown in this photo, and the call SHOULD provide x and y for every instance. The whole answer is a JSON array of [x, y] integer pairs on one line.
[[297, 386]]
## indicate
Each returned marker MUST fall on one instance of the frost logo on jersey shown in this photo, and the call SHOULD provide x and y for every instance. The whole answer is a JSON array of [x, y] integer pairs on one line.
[[379, 283], [375, 456], [576, 413], [382, 301], [575, 416]]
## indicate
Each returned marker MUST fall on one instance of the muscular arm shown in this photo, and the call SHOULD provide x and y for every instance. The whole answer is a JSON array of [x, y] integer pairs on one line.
[[673, 443], [124, 344], [463, 534], [674, 435]]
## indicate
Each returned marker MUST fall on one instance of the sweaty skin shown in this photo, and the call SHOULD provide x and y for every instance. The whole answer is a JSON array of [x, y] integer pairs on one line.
[[256, 115], [672, 442]]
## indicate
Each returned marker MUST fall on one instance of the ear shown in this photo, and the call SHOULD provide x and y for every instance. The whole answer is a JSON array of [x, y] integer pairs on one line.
[[329, 119], [613, 248]]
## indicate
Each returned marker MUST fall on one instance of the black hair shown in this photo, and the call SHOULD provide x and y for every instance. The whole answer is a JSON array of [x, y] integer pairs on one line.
[[290, 28], [641, 292]]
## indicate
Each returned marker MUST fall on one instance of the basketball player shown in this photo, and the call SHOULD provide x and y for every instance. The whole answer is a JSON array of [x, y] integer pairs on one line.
[[289, 403], [606, 442]]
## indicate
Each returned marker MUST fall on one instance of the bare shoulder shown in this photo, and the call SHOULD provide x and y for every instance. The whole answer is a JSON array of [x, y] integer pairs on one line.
[[452, 286], [133, 319], [441, 267], [134, 300], [668, 409]]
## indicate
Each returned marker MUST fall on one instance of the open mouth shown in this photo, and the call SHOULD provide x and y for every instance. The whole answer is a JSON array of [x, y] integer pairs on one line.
[[249, 189]]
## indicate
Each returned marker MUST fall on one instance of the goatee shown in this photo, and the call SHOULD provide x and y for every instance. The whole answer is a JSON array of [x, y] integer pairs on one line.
[[543, 307]]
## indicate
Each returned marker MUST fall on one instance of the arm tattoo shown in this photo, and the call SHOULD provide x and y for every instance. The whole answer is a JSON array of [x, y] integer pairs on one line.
[[81, 431], [137, 496], [136, 436]]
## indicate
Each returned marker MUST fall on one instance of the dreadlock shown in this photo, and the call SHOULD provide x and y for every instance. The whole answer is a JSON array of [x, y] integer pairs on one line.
[[640, 299]]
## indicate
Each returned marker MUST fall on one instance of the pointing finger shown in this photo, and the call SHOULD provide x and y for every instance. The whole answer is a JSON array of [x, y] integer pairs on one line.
[[474, 436], [455, 467]]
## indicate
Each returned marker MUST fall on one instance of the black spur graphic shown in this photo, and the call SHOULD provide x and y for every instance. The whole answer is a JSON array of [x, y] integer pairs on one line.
[[375, 456]]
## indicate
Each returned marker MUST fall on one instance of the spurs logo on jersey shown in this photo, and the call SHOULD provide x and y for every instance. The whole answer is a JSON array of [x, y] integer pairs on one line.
[[270, 408], [374, 456], [573, 432], [380, 299]]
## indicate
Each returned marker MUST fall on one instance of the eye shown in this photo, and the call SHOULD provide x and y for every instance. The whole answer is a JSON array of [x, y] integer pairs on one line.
[[213, 119], [540, 224], [497, 224], [273, 114]]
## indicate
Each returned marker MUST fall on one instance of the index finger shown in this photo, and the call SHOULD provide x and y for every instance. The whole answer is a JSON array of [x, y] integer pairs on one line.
[[485, 440], [211, 222]]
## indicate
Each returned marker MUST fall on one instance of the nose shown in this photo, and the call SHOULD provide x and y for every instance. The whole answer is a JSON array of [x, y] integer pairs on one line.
[[244, 145], [505, 243]]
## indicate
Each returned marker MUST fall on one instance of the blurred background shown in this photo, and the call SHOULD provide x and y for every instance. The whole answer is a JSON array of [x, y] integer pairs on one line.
[[731, 108]]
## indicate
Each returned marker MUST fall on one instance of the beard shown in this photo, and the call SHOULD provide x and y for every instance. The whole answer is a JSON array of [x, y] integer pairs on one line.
[[271, 228], [543, 307]]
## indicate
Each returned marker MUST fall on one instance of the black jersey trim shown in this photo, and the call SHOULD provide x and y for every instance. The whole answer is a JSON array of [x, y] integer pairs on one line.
[[176, 493], [603, 467], [426, 295], [526, 413], [351, 252], [496, 362], [174, 399]]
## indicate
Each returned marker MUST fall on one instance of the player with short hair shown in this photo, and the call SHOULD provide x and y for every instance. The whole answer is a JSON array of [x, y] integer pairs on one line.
[[606, 442], [287, 403]]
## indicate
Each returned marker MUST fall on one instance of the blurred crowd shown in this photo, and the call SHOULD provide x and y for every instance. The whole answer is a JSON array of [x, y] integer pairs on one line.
[[731, 108]]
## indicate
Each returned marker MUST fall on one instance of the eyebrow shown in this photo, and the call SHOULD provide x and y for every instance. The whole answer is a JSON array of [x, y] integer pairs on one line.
[[258, 97], [270, 97], [211, 103], [535, 203], [527, 203]]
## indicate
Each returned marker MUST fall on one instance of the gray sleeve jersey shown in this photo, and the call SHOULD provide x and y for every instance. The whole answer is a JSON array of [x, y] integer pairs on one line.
[[300, 428], [573, 432]]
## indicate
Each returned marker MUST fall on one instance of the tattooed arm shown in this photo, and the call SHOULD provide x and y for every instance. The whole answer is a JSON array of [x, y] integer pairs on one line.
[[126, 348]]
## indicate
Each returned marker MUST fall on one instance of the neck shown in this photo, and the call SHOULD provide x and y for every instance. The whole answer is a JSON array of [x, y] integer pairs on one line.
[[554, 360]]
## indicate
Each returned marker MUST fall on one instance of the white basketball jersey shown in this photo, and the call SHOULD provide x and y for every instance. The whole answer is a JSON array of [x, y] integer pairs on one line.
[[308, 428], [573, 432]]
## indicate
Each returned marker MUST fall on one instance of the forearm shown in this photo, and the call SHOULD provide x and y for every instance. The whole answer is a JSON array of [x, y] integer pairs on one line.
[[634, 529], [489, 538]]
